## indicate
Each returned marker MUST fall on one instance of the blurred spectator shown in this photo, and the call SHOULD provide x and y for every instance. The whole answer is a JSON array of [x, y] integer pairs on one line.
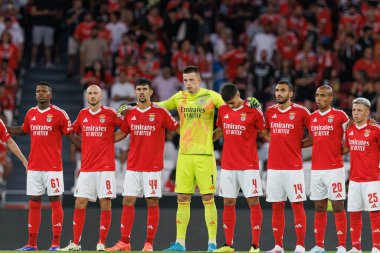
[[6, 104], [17, 33], [43, 13], [348, 55], [93, 49], [117, 28], [165, 84], [122, 91], [148, 65], [264, 41], [182, 58], [366, 68], [325, 26], [9, 51], [287, 42], [204, 61], [307, 54], [305, 84], [232, 58], [128, 50], [366, 40]]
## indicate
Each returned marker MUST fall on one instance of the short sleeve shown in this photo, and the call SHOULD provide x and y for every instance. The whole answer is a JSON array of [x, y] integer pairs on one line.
[[26, 126], [77, 124], [4, 135]]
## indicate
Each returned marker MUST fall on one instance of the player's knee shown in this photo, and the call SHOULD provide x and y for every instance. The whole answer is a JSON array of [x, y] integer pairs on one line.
[[253, 201], [105, 204], [229, 201], [338, 206], [35, 198], [129, 201], [54, 198], [207, 197], [81, 203], [152, 201], [320, 206], [278, 206], [184, 197]]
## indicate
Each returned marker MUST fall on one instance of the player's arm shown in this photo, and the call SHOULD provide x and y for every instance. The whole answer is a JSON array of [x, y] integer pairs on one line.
[[264, 134], [170, 103], [118, 136], [75, 139], [217, 134], [16, 130], [345, 150], [12, 145], [308, 142]]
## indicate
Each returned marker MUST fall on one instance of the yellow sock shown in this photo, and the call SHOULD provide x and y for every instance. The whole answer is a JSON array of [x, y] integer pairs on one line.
[[211, 218], [183, 217]]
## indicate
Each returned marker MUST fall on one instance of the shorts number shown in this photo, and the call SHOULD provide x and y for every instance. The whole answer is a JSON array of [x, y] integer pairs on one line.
[[108, 185], [372, 198], [54, 182], [337, 187], [153, 184], [298, 188], [254, 182]]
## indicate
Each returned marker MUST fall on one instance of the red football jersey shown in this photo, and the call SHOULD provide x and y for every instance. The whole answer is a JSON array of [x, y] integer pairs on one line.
[[147, 131], [286, 132], [46, 128], [4, 135], [240, 132], [364, 144], [97, 130], [327, 131]]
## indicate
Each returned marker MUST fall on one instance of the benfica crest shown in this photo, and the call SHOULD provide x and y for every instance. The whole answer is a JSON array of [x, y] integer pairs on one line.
[[330, 118], [102, 118], [151, 116], [243, 116], [367, 133], [49, 117], [292, 115]]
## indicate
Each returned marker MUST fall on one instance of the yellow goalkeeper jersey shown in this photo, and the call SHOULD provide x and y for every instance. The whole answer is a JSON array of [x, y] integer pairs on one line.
[[196, 112]]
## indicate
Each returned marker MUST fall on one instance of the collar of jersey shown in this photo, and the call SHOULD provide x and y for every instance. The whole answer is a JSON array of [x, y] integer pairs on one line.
[[287, 109], [361, 127], [324, 113], [143, 110], [237, 109], [44, 110], [96, 112]]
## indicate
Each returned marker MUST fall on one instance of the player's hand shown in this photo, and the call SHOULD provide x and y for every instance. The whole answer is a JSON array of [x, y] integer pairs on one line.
[[253, 103], [372, 122], [124, 108], [25, 163]]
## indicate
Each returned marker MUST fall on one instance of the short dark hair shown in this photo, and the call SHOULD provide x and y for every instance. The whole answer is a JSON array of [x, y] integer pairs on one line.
[[289, 84], [44, 83], [229, 91], [191, 69], [144, 81]]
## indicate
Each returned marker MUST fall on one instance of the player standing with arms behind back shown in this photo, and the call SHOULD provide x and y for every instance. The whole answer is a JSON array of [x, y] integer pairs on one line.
[[96, 124], [239, 124], [326, 131], [146, 123], [363, 143], [46, 124], [286, 122]]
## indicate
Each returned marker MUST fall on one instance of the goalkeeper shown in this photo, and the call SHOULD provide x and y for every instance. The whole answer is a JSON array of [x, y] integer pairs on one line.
[[196, 164]]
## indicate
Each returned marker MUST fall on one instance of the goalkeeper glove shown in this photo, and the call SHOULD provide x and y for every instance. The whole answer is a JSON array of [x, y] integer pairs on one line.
[[253, 103], [125, 107]]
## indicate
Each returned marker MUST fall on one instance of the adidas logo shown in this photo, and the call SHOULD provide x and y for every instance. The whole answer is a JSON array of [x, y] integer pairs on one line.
[[102, 228], [255, 192], [339, 233], [150, 227], [29, 226], [315, 120], [133, 118], [351, 133], [257, 227], [226, 117], [275, 229], [34, 118], [225, 226], [211, 222], [274, 116], [315, 231], [299, 196], [338, 195], [57, 225], [85, 120], [374, 205], [298, 226], [376, 231], [109, 193], [74, 223], [153, 192], [121, 225], [351, 229], [56, 190]]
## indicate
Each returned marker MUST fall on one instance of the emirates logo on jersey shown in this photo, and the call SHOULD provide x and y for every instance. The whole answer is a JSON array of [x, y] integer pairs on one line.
[[367, 132], [49, 117], [330, 118], [102, 118], [151, 116], [243, 116], [292, 115]]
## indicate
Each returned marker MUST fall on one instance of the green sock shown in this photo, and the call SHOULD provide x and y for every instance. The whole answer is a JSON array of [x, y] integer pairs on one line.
[[211, 218]]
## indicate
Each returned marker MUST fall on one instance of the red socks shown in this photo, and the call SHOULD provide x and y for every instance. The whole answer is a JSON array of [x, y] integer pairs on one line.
[[229, 220], [152, 223], [78, 223], [104, 226], [356, 229], [34, 221], [256, 220], [56, 221], [375, 227], [127, 219], [278, 221], [299, 222], [320, 222], [341, 227]]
